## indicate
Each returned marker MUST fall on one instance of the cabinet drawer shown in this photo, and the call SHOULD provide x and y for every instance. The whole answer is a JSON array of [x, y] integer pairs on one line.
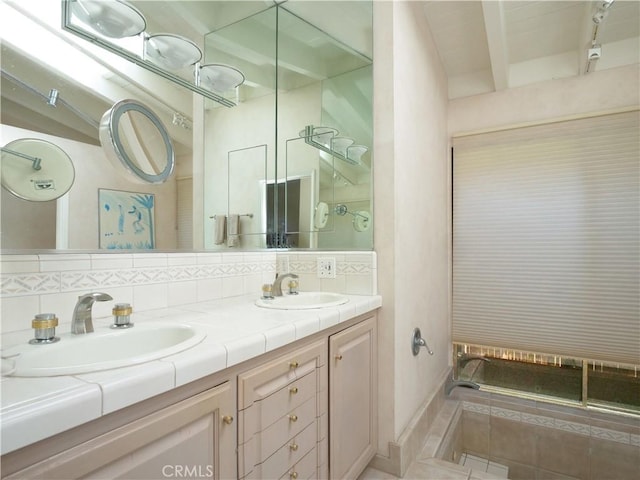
[[265, 412], [288, 455], [263, 444], [305, 469], [267, 379]]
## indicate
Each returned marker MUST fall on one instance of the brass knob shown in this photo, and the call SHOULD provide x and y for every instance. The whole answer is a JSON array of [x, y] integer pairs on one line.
[[294, 475], [293, 418], [228, 419], [294, 364], [44, 322], [338, 357], [293, 390], [122, 309], [294, 447]]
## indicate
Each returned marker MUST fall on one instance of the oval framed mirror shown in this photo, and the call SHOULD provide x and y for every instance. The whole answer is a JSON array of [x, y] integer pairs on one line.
[[133, 137], [36, 170]]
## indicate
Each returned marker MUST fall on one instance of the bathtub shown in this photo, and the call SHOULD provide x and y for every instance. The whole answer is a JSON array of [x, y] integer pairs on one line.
[[536, 439]]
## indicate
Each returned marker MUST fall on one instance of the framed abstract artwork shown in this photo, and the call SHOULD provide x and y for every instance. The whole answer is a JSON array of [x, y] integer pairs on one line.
[[126, 220]]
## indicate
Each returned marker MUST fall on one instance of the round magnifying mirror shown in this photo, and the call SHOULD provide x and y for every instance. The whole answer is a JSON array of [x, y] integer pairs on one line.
[[133, 137], [36, 170]]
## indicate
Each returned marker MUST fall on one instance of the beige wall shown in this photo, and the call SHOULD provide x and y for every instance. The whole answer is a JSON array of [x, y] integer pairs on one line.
[[411, 205]]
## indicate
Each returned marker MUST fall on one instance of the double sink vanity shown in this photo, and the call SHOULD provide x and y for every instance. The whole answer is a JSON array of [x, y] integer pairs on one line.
[[232, 388]]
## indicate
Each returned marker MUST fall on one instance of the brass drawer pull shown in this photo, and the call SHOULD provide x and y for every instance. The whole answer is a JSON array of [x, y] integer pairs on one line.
[[293, 390], [228, 419], [294, 447], [339, 357], [293, 418], [294, 475], [294, 364]]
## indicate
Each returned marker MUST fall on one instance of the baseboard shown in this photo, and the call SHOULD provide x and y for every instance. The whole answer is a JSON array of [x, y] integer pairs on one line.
[[410, 443]]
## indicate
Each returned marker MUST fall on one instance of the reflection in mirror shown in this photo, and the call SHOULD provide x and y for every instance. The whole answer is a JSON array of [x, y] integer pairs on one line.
[[247, 177], [36, 170], [137, 143], [318, 78]]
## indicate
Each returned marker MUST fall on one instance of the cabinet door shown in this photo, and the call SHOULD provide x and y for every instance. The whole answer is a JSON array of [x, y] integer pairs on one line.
[[352, 399], [194, 438]]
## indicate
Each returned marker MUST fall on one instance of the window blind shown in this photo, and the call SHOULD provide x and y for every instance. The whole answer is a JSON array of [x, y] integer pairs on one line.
[[546, 238]]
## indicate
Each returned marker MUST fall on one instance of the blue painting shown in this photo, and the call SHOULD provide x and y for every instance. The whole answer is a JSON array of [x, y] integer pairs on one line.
[[126, 220]]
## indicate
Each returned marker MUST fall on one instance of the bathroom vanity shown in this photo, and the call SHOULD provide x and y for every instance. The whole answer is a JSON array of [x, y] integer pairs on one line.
[[306, 409]]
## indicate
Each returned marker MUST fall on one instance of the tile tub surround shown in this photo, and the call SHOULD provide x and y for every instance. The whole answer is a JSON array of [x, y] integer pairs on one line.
[[36, 408], [537, 439]]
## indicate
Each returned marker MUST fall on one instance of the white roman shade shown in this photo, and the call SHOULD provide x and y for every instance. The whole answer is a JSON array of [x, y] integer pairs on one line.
[[546, 238]]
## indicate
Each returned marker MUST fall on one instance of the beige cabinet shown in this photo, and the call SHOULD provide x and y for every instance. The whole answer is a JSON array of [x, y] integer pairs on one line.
[[282, 415], [352, 399], [194, 438], [307, 411]]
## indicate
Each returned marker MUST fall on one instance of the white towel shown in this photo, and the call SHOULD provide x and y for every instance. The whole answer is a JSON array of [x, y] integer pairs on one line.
[[220, 224], [233, 225]]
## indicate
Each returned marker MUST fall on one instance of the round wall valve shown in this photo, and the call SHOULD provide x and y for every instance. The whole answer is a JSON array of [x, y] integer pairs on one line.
[[417, 341]]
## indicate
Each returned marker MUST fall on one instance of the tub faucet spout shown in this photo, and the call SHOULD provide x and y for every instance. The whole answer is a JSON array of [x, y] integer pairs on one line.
[[82, 321], [464, 358], [451, 384]]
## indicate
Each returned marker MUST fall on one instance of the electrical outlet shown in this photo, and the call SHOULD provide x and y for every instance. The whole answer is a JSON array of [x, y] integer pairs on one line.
[[326, 267], [282, 265]]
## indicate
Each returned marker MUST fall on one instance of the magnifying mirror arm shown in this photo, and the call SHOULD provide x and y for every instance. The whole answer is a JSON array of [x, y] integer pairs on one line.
[[35, 160], [342, 210]]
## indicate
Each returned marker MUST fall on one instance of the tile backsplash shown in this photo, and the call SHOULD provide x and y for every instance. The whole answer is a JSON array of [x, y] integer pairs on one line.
[[43, 283]]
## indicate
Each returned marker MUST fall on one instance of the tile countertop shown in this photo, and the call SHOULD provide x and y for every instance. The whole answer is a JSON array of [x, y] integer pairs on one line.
[[236, 330]]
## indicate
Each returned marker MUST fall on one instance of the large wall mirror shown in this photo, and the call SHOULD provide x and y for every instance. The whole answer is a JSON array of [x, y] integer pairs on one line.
[[297, 143]]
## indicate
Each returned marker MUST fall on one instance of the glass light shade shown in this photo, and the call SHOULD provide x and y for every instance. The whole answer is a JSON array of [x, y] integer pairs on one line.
[[113, 19], [220, 78], [340, 144], [355, 153], [171, 52], [321, 135]]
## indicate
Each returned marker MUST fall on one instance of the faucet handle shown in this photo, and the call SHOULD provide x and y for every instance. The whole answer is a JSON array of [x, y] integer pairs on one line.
[[44, 325]]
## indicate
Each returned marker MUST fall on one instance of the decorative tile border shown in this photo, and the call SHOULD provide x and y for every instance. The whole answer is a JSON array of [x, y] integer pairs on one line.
[[65, 281], [65, 273], [551, 422]]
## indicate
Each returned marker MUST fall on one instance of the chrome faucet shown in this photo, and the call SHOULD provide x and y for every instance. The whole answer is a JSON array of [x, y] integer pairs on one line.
[[82, 321], [277, 285]]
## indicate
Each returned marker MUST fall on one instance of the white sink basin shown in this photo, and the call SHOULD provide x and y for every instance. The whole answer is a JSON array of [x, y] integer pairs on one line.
[[102, 350], [303, 301]]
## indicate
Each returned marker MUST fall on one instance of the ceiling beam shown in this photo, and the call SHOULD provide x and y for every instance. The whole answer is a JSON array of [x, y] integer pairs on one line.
[[497, 42]]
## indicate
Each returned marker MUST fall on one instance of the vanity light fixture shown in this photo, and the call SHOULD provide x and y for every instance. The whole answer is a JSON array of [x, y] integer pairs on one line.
[[172, 52], [103, 22], [116, 19]]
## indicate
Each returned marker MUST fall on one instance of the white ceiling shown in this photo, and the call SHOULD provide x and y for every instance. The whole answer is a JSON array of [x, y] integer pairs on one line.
[[487, 46]]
